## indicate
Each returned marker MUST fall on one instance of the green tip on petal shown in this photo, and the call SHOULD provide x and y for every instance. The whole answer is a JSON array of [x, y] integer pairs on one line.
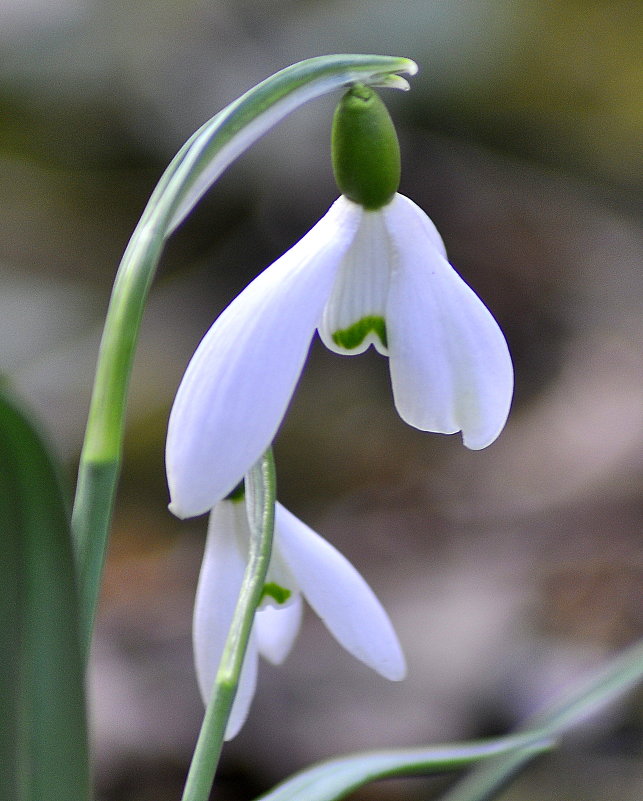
[[276, 592], [365, 150]]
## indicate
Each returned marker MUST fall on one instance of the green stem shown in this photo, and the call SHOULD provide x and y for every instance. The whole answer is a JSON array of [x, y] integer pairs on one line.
[[193, 170], [260, 501], [100, 460]]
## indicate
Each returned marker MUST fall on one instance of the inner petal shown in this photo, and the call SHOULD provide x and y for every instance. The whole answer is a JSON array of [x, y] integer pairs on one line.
[[354, 316], [281, 588]]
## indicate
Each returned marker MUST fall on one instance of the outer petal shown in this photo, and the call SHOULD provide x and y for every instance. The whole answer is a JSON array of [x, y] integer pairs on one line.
[[407, 211], [340, 596], [277, 628], [238, 384], [245, 690], [217, 591], [222, 569], [450, 365]]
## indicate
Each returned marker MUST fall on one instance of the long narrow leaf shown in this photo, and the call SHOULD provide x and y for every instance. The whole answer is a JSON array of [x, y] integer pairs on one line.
[[496, 760], [582, 701], [336, 778], [43, 743]]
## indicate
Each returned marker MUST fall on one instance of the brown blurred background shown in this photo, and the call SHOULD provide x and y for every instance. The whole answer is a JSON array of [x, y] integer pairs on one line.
[[507, 572]]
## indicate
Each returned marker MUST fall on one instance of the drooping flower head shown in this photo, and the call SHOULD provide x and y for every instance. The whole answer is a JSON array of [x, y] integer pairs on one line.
[[373, 271], [302, 565]]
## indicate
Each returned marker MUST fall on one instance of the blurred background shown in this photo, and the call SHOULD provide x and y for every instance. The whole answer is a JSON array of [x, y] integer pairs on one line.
[[507, 572]]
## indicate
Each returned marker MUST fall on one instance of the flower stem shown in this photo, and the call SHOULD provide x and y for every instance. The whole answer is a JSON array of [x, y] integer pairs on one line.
[[260, 504], [193, 170]]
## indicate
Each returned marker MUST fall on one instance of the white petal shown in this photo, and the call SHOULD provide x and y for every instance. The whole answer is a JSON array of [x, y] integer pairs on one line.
[[239, 382], [450, 365], [339, 595], [222, 569], [407, 212], [277, 628], [359, 293], [279, 573], [218, 588], [245, 690]]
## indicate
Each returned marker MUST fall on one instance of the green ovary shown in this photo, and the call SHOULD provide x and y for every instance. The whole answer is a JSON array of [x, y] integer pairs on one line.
[[277, 593], [353, 336]]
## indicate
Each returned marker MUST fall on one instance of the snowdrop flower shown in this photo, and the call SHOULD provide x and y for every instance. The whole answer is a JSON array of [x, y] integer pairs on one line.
[[373, 271], [302, 564]]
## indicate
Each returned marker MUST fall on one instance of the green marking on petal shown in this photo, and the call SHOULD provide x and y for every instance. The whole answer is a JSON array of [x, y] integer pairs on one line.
[[354, 335], [276, 592]]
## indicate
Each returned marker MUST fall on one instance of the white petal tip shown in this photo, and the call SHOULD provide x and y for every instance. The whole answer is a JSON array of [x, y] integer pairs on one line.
[[477, 442], [232, 731], [393, 665], [173, 509], [178, 512], [475, 445], [395, 672]]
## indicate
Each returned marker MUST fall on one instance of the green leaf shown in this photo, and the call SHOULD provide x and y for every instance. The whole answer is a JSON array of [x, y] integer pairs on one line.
[[43, 737], [336, 778], [583, 700], [498, 759]]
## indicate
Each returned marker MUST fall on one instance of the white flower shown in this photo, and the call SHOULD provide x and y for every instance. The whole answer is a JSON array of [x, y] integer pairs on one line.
[[361, 277], [302, 563]]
